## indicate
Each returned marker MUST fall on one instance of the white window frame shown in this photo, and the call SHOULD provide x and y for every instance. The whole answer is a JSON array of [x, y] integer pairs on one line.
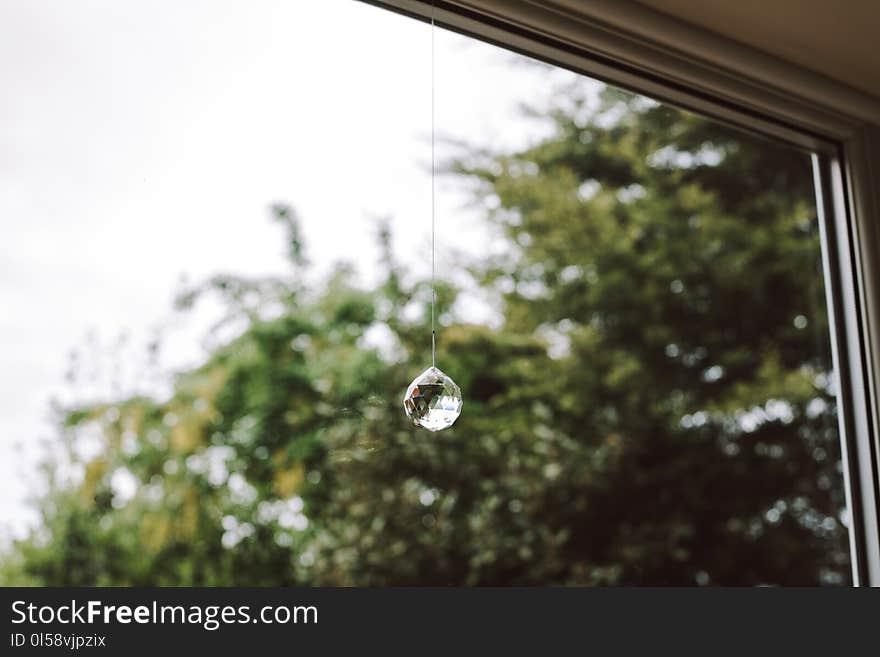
[[637, 48]]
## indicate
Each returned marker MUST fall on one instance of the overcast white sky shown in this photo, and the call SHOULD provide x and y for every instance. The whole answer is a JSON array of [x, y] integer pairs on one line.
[[140, 141]]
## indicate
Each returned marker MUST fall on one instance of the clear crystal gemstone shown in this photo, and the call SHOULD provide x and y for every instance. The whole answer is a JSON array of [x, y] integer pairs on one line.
[[433, 400]]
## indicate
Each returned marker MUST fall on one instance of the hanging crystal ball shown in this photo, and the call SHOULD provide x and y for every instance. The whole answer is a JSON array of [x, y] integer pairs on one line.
[[433, 400]]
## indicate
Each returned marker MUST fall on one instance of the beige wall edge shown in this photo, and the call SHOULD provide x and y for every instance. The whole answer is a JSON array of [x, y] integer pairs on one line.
[[717, 51]]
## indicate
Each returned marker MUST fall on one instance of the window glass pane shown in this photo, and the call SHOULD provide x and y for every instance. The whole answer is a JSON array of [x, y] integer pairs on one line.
[[629, 295]]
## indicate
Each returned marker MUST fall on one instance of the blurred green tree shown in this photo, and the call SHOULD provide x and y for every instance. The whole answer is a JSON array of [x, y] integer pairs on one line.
[[655, 408]]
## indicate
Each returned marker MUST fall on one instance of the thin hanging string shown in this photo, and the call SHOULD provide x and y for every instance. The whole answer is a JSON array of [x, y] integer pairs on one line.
[[433, 193]]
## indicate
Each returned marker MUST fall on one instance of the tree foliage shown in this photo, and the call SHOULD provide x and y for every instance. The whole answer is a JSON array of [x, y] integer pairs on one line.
[[656, 406]]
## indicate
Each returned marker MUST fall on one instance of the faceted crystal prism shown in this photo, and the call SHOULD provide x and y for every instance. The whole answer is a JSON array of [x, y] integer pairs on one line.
[[433, 400]]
